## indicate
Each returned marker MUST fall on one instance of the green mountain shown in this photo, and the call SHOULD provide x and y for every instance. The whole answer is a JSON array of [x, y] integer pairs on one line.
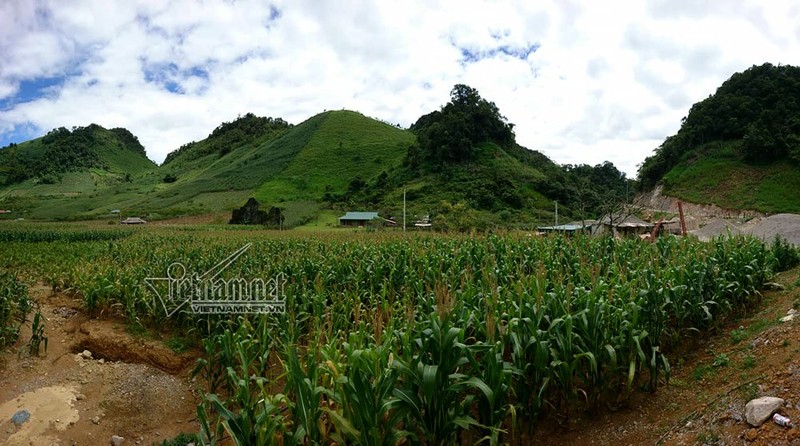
[[460, 164], [43, 176], [739, 148], [61, 151], [465, 170]]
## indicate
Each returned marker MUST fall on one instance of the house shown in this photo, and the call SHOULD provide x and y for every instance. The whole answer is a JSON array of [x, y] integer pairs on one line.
[[357, 218], [132, 221], [570, 228], [620, 224]]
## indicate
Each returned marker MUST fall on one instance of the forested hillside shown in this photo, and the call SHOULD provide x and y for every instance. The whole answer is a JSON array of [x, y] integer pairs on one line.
[[46, 159], [756, 113]]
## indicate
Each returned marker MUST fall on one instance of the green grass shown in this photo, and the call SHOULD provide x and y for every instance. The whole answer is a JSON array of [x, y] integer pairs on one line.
[[326, 219], [346, 145], [177, 344], [714, 174], [700, 372], [738, 335], [722, 360]]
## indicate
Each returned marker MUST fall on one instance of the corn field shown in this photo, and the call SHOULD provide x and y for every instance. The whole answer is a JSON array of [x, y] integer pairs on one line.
[[413, 340]]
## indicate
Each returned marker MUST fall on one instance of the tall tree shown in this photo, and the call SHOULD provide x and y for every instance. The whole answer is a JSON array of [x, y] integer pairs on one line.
[[453, 133]]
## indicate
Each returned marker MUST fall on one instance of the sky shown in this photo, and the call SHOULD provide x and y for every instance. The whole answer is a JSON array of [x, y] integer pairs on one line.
[[583, 82]]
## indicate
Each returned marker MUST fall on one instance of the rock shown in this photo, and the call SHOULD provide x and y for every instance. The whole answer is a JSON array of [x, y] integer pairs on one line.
[[116, 440], [787, 318], [80, 397], [101, 361], [20, 417], [87, 354], [96, 420], [757, 411]]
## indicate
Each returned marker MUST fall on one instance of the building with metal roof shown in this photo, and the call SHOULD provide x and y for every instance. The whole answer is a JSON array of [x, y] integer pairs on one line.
[[357, 218]]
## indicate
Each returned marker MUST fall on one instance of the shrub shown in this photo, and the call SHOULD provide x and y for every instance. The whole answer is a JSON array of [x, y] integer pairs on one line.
[[786, 256]]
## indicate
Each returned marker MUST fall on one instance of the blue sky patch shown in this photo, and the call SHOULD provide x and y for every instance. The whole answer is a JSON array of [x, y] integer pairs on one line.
[[469, 55], [274, 13], [20, 133], [169, 76], [31, 89]]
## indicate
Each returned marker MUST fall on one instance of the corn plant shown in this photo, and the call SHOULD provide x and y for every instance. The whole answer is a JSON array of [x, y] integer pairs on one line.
[[433, 392], [14, 307], [363, 397], [305, 399], [37, 335], [486, 334], [494, 386], [255, 420]]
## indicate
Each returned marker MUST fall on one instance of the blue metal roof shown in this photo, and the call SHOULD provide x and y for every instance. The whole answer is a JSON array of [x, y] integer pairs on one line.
[[562, 228], [359, 216]]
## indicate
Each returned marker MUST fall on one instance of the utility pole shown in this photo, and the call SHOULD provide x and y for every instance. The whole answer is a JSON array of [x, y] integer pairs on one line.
[[556, 212], [404, 209]]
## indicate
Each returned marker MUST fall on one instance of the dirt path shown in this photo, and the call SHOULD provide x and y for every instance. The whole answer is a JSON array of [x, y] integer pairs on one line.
[[134, 388]]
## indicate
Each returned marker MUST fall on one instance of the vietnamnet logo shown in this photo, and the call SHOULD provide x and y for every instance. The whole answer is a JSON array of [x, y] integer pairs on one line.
[[207, 293]]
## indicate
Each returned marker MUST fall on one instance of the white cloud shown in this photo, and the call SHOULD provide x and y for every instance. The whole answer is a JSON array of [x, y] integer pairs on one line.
[[608, 81]]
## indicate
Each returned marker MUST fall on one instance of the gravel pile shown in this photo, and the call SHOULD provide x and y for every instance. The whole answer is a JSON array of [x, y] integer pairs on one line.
[[715, 228], [785, 225]]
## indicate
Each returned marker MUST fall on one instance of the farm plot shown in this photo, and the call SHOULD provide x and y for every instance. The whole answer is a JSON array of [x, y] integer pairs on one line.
[[431, 339]]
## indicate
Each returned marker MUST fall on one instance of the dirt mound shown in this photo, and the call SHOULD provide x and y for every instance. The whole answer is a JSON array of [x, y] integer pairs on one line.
[[787, 226], [716, 228], [115, 345]]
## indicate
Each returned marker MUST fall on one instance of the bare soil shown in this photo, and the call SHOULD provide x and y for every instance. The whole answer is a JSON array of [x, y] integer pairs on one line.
[[132, 387]]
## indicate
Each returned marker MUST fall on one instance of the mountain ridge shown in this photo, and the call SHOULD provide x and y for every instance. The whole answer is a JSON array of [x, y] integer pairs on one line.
[[342, 160]]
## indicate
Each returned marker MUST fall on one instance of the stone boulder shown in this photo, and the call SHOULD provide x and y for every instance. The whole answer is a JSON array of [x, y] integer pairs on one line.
[[759, 410]]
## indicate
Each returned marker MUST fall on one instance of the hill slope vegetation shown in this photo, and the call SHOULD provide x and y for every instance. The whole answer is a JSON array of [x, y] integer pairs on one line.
[[460, 165], [465, 170], [739, 148], [62, 173]]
